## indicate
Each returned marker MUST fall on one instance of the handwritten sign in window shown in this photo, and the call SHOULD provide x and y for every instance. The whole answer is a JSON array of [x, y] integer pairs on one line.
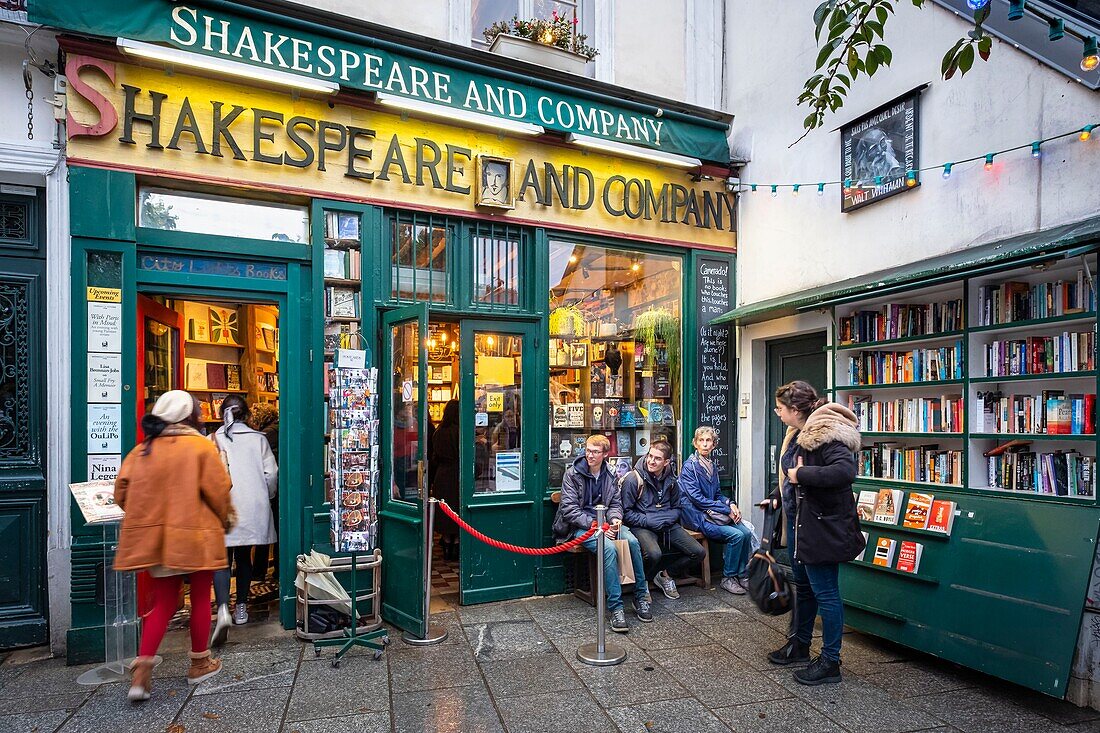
[[714, 364]]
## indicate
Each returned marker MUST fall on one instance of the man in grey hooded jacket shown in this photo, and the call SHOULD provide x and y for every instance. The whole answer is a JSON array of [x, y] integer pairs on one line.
[[586, 483]]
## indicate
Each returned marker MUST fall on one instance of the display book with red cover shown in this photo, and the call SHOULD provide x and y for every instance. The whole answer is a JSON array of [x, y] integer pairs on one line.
[[909, 555]]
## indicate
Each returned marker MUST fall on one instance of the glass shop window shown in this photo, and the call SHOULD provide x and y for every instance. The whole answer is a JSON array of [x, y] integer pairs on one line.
[[201, 213], [615, 337]]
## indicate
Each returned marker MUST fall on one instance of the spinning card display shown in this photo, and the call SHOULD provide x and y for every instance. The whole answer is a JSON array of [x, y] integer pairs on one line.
[[353, 458]]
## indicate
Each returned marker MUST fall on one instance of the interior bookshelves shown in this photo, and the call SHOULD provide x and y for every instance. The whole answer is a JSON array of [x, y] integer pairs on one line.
[[983, 375]]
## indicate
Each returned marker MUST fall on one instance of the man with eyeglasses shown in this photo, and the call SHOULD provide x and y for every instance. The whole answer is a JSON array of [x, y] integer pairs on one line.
[[651, 508], [586, 483]]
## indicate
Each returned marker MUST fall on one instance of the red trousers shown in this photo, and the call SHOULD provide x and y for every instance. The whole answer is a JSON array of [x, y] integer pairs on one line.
[[165, 594]]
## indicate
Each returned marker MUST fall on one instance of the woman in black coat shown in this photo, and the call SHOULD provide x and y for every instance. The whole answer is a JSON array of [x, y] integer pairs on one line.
[[443, 467], [816, 470]]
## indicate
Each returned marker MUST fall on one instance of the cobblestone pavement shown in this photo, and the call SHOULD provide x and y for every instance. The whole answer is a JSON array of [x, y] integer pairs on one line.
[[511, 666]]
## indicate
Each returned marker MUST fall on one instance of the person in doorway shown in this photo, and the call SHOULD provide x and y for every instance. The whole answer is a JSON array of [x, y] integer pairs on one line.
[[265, 419], [586, 483], [443, 465], [817, 467], [651, 508], [255, 477], [706, 510], [175, 493]]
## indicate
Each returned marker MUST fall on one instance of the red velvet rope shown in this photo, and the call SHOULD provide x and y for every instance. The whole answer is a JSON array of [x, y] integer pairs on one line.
[[563, 547]]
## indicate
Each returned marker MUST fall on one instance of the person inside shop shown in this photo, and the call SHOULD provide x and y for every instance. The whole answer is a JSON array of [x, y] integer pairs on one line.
[[405, 448], [706, 510], [817, 467], [651, 508], [586, 483], [265, 419], [506, 433], [443, 469], [175, 493], [255, 477]]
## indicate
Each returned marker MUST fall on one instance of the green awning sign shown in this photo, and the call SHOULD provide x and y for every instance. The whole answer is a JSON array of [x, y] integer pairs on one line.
[[358, 62]]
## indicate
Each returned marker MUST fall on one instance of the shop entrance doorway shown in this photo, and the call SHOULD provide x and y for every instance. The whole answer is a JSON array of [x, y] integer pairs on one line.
[[801, 357], [221, 349], [461, 429]]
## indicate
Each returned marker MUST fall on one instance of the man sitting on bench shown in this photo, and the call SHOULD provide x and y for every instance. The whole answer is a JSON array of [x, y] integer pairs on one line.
[[586, 483], [651, 508]]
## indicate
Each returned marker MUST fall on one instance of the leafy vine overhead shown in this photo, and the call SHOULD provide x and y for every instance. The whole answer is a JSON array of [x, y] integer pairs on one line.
[[850, 35]]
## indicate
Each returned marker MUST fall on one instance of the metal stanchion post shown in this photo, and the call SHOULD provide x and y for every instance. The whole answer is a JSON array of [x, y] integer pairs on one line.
[[433, 633], [601, 654]]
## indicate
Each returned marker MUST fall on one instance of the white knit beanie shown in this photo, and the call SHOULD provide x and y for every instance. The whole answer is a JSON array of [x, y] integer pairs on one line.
[[174, 406]]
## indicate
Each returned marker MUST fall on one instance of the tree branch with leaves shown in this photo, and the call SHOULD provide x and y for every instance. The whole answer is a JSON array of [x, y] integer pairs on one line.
[[850, 35]]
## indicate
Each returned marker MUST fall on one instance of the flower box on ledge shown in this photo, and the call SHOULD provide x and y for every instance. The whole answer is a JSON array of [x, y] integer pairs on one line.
[[539, 53]]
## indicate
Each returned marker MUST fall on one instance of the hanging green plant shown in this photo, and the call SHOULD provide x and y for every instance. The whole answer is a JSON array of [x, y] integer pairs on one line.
[[567, 320], [659, 325]]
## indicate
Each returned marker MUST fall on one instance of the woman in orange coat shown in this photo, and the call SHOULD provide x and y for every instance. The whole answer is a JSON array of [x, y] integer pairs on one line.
[[175, 492]]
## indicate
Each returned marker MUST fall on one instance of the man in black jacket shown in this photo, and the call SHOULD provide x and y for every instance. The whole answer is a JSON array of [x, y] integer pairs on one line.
[[651, 508], [589, 482]]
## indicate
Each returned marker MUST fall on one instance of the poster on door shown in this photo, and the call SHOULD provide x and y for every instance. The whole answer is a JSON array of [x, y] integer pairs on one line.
[[509, 473], [104, 377], [104, 468], [105, 328], [104, 429]]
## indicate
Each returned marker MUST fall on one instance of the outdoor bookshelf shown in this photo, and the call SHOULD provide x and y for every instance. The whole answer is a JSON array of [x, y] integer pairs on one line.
[[1005, 322]]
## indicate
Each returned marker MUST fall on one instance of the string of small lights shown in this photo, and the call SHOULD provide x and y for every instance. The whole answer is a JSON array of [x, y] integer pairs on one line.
[[912, 176], [1056, 28]]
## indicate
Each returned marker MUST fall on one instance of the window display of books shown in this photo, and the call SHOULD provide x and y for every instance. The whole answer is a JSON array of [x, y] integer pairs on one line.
[[352, 482]]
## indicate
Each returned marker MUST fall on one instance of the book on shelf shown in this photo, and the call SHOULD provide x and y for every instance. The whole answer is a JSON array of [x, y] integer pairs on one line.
[[1012, 445], [575, 411], [869, 368], [1059, 416], [888, 506], [941, 517], [909, 553], [1060, 354], [560, 416], [1055, 473], [216, 376], [901, 320], [865, 505], [863, 552], [341, 228], [341, 302], [343, 264], [1051, 412], [194, 374], [341, 336], [919, 464], [884, 552], [942, 414], [1021, 301], [917, 509]]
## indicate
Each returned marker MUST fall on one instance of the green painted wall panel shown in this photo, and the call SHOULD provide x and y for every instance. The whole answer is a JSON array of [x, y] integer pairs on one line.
[[103, 204]]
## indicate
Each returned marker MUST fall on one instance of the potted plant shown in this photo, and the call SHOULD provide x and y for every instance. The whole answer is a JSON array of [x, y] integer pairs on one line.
[[567, 320], [658, 325], [554, 43]]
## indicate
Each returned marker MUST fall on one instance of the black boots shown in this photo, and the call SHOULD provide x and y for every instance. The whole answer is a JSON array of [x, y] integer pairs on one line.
[[820, 672], [790, 653]]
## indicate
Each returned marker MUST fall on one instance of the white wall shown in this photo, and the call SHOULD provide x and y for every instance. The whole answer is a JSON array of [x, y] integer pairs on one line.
[[643, 44], [1010, 100]]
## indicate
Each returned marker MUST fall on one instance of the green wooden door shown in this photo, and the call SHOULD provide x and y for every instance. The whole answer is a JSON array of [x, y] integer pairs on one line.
[[403, 445], [23, 604], [500, 448]]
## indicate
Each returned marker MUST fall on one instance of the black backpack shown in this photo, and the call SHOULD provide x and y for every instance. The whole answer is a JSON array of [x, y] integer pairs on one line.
[[768, 586]]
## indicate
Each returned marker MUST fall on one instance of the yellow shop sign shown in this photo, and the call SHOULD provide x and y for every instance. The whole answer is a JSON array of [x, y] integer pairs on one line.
[[217, 131]]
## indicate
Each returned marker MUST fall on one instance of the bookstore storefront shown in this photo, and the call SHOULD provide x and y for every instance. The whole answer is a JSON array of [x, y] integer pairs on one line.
[[516, 290]]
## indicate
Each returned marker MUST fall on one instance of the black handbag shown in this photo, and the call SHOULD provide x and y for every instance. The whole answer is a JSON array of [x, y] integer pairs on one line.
[[768, 586]]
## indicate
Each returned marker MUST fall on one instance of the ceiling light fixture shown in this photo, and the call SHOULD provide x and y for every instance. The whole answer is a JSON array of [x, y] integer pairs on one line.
[[430, 109], [222, 66]]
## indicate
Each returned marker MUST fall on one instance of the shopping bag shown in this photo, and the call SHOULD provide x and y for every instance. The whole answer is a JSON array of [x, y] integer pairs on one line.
[[626, 565]]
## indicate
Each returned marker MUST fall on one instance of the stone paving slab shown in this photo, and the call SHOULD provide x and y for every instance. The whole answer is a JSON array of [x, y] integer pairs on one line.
[[511, 667]]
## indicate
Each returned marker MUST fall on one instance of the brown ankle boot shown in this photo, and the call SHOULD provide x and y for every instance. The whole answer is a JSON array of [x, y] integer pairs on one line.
[[203, 667], [141, 679]]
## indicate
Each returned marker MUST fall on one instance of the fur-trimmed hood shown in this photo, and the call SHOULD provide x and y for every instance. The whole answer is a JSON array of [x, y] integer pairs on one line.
[[828, 423]]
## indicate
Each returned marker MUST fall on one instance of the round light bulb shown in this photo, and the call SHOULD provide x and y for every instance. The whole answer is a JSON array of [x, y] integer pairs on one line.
[[635, 266], [572, 259], [775, 191], [946, 170], [1086, 132], [989, 162]]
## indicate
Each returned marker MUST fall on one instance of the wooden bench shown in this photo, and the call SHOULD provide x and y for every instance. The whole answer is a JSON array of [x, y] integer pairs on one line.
[[587, 594]]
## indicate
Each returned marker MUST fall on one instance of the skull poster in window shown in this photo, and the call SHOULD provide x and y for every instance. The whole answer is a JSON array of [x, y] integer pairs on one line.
[[494, 179]]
